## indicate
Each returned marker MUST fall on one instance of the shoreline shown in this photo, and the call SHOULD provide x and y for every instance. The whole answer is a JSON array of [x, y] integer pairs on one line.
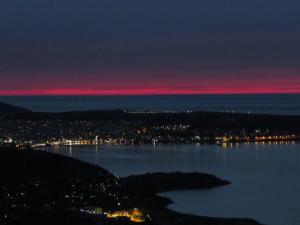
[[122, 127], [225, 144]]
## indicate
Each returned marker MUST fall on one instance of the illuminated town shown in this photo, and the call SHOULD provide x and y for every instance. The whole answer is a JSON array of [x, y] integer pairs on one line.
[[138, 128]]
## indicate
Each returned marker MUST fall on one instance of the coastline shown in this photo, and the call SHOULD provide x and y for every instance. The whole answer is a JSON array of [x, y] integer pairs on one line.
[[138, 191], [119, 127], [222, 144]]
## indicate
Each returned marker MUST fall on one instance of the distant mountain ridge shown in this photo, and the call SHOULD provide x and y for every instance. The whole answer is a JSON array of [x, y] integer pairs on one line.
[[7, 108]]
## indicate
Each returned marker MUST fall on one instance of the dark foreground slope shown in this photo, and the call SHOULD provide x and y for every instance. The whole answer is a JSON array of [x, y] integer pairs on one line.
[[43, 188], [24, 166]]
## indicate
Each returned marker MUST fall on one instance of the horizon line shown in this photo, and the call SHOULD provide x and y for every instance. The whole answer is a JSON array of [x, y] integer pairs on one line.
[[148, 94]]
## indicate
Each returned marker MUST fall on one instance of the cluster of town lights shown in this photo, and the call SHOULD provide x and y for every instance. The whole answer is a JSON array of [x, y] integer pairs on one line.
[[134, 215]]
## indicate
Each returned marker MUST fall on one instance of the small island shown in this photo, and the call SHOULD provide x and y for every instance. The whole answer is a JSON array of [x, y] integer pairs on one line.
[[45, 188]]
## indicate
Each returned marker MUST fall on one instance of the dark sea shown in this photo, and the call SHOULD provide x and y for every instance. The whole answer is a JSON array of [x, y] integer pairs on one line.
[[288, 104]]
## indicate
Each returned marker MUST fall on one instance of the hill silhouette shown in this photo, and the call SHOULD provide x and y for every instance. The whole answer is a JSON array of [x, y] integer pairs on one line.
[[11, 109]]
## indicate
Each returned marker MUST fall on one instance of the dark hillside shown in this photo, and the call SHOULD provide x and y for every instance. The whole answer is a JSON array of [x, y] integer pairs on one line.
[[23, 166]]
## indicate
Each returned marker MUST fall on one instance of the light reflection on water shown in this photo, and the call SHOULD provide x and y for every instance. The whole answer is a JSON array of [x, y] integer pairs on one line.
[[265, 177]]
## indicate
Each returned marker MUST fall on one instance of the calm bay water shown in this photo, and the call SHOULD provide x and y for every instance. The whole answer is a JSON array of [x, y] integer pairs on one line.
[[271, 104], [265, 178]]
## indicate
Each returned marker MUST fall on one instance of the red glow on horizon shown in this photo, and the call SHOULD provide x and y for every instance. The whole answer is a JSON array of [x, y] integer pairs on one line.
[[151, 91], [242, 82]]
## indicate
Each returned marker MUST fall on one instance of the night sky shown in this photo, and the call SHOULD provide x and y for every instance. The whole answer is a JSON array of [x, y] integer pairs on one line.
[[149, 47]]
